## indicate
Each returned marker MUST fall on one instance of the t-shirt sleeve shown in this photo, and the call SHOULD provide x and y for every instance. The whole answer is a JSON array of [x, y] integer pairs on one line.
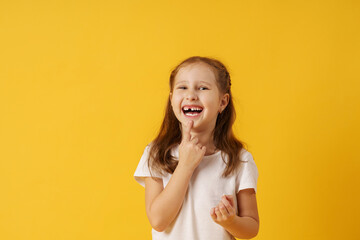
[[248, 173], [142, 169]]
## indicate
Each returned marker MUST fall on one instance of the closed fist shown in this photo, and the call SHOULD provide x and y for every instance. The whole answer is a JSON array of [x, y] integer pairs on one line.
[[224, 213]]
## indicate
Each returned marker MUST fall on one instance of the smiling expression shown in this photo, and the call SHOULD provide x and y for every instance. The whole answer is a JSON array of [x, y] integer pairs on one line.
[[196, 97]]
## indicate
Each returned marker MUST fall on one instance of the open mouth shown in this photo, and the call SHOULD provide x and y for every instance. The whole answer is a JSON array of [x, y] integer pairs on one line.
[[192, 111]]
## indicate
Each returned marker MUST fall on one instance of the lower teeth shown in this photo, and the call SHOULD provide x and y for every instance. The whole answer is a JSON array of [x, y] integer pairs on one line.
[[191, 114]]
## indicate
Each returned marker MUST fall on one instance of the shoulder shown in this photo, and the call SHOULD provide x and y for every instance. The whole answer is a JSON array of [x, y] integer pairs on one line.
[[247, 163], [149, 145], [246, 156], [148, 148]]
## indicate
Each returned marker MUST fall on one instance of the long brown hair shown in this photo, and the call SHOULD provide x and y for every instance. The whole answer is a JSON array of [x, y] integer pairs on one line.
[[160, 158]]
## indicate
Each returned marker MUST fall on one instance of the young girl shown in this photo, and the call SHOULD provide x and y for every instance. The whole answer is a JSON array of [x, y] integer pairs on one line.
[[200, 182]]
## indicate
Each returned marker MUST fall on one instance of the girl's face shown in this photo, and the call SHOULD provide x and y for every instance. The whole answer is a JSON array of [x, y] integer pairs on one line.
[[196, 96]]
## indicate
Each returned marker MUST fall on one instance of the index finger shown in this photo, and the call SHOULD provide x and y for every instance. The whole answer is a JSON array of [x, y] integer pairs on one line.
[[187, 129]]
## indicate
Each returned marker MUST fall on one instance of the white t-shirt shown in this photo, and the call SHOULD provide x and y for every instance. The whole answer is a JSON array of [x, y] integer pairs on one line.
[[205, 190]]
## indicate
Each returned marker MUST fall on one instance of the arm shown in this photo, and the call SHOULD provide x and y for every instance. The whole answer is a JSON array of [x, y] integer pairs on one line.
[[163, 204], [244, 226]]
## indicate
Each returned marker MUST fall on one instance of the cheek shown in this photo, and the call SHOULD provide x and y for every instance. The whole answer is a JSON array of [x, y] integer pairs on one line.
[[175, 105], [208, 102], [176, 100]]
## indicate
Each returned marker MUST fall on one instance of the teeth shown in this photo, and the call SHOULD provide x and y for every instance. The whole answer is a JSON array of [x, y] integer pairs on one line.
[[191, 114], [192, 109]]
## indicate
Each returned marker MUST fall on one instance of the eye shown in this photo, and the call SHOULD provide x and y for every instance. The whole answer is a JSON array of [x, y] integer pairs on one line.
[[183, 87]]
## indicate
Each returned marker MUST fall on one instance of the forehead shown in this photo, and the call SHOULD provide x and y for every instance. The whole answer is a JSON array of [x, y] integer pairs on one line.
[[199, 72]]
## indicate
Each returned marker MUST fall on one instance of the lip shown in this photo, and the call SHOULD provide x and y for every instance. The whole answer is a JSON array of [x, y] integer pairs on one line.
[[189, 106]]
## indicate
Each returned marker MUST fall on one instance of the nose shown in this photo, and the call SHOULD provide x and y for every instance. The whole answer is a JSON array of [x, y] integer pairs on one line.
[[191, 95]]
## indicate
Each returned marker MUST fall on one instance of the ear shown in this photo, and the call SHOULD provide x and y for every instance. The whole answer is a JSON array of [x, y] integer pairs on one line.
[[224, 101]]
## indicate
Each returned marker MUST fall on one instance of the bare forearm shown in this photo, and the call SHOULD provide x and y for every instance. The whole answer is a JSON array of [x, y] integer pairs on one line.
[[243, 227], [168, 203]]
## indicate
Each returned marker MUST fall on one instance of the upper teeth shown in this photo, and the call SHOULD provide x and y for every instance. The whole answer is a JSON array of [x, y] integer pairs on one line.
[[192, 109]]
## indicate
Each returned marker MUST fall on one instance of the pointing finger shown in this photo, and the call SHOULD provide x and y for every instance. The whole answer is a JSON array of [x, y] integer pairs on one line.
[[187, 136]]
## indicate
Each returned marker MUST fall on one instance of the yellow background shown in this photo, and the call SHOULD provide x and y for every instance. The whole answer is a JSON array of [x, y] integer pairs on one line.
[[83, 87]]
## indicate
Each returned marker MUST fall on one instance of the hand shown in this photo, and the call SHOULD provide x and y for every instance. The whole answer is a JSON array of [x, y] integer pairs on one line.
[[190, 152], [224, 213]]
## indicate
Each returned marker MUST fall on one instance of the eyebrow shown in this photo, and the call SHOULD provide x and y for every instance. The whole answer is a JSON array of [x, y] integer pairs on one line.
[[187, 81]]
